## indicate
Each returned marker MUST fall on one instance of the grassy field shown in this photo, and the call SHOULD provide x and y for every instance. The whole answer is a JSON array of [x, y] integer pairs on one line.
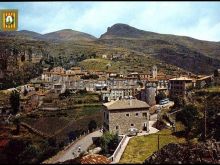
[[4, 98], [98, 64], [138, 63], [214, 89], [139, 148]]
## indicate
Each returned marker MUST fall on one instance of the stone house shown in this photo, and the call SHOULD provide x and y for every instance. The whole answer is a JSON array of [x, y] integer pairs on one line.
[[58, 70], [121, 115], [76, 69], [133, 75], [59, 88], [144, 76], [115, 92]]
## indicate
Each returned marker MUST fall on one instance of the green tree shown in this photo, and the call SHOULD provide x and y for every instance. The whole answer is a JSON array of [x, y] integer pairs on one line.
[[72, 135], [29, 155], [108, 142], [92, 125], [52, 142], [15, 104], [189, 116], [160, 96], [178, 102], [15, 101]]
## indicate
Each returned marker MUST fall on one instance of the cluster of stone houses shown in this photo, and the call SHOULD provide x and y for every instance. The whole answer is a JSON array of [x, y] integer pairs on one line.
[[127, 98], [111, 85]]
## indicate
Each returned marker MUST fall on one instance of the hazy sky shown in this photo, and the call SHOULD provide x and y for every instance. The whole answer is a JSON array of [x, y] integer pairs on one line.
[[199, 20]]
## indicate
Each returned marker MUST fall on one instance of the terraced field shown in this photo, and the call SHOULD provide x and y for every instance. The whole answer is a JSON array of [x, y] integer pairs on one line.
[[60, 123]]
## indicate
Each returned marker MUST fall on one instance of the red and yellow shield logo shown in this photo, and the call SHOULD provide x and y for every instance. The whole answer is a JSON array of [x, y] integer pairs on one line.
[[9, 20]]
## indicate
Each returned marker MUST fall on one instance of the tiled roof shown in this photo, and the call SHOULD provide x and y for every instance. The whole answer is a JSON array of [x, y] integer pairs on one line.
[[95, 159], [126, 104], [3, 142], [203, 78], [182, 79]]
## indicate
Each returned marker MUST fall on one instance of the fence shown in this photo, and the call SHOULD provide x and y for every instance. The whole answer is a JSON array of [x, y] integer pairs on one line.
[[112, 158]]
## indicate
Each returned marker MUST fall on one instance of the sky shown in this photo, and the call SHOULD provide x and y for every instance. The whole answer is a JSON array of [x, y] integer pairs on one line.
[[200, 20]]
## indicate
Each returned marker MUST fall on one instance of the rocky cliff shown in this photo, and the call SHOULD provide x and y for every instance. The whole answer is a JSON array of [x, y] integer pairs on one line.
[[202, 153]]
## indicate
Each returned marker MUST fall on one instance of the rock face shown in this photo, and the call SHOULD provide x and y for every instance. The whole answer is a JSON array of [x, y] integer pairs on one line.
[[208, 153], [123, 30]]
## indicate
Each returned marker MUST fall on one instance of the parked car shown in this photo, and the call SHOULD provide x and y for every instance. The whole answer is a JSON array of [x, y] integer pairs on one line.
[[132, 132]]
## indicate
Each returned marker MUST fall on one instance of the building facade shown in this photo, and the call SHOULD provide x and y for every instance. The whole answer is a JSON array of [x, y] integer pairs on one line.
[[122, 115], [178, 87]]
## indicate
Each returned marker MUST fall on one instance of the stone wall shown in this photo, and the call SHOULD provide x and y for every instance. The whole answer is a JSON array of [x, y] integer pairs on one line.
[[119, 118]]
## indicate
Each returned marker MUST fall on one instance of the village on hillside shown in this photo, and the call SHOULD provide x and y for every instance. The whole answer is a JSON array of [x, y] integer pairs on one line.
[[128, 106], [109, 83]]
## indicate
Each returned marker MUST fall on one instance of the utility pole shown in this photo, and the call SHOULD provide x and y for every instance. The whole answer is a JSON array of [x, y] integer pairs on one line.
[[158, 142], [205, 118]]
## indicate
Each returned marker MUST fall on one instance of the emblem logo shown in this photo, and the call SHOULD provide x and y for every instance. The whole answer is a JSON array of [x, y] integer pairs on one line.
[[9, 20]]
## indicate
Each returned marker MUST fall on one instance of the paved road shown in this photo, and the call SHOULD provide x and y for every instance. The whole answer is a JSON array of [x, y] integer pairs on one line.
[[84, 144], [153, 117], [151, 129], [72, 151]]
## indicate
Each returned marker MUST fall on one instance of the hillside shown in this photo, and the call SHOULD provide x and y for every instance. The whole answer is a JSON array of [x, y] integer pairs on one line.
[[139, 50], [23, 34], [69, 35], [61, 35], [200, 57]]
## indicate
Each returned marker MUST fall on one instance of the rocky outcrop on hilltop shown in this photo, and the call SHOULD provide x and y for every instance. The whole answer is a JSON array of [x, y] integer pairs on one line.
[[124, 30]]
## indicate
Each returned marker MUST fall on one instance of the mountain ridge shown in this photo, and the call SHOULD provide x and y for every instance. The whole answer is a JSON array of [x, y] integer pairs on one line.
[[60, 35], [196, 56]]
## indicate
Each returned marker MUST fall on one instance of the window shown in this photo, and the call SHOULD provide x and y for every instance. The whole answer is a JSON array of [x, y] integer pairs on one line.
[[127, 114], [132, 125], [144, 114], [116, 127], [136, 114]]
